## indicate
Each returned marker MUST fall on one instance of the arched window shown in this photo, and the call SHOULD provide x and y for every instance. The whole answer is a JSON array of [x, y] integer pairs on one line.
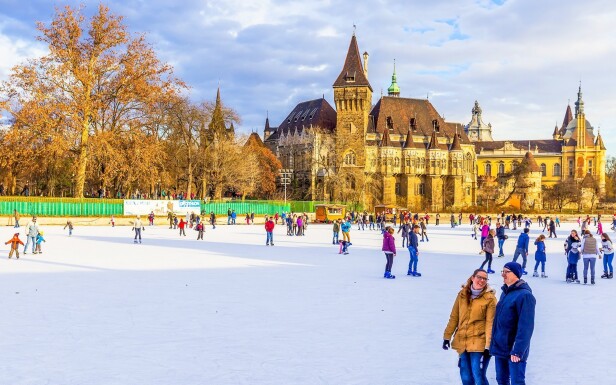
[[543, 169], [514, 165], [556, 170], [468, 167], [397, 162], [501, 168], [350, 159], [488, 169], [390, 123]]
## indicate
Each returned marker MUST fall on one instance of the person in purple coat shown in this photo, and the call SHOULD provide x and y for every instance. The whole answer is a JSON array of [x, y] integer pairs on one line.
[[389, 248]]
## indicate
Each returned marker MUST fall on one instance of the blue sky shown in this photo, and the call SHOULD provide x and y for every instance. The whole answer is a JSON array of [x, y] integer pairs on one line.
[[521, 59]]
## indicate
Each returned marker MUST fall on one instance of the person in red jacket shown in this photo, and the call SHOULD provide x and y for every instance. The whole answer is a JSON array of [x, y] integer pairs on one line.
[[269, 230], [15, 242], [182, 225]]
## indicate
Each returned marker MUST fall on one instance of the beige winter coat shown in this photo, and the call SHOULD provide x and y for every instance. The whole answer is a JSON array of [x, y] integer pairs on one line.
[[471, 322]]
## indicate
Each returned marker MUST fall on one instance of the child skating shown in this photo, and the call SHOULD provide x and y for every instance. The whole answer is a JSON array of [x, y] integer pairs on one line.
[[389, 248], [540, 256], [69, 224], [15, 242], [39, 240], [413, 248]]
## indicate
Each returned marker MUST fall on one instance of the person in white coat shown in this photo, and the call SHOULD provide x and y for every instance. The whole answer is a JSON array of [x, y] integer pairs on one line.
[[138, 227], [32, 231], [590, 252]]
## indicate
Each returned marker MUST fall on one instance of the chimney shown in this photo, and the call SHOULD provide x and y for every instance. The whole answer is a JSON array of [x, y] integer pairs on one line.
[[366, 64]]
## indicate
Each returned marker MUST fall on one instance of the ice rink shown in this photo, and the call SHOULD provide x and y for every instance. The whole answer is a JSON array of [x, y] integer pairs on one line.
[[95, 308]]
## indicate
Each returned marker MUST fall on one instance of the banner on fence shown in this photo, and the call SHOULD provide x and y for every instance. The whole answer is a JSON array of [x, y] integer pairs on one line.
[[160, 207]]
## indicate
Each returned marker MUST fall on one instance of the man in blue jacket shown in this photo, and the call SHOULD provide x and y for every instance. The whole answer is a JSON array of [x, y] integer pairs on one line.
[[513, 326], [522, 249]]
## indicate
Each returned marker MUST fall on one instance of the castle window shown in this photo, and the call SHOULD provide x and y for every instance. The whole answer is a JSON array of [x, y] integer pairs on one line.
[[590, 167], [413, 124], [397, 188], [397, 162], [349, 77], [570, 167], [488, 169], [390, 123], [514, 165], [350, 159], [408, 161], [556, 170], [543, 169], [501, 168], [436, 126], [422, 189], [305, 114], [312, 113]]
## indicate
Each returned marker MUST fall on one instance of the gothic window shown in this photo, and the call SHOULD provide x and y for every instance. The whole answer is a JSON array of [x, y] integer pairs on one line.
[[390, 123], [514, 165], [556, 170], [469, 163], [590, 167], [413, 124], [408, 161], [397, 162], [488, 169], [543, 169], [397, 188], [570, 167], [350, 159], [435, 125], [501, 168], [422, 189]]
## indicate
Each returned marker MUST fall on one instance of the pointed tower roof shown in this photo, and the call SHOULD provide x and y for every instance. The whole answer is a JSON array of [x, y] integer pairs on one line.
[[568, 117], [408, 143], [254, 140], [393, 89], [531, 163], [433, 141], [556, 132], [455, 145], [352, 73], [217, 122], [589, 181], [599, 142], [267, 125], [579, 104], [385, 141]]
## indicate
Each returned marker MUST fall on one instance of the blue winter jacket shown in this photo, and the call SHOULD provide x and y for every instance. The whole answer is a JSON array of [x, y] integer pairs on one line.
[[413, 241], [345, 227], [514, 321], [500, 232], [540, 253], [523, 242]]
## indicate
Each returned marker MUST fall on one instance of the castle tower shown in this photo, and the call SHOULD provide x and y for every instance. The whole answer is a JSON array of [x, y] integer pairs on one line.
[[393, 89], [476, 129], [353, 102]]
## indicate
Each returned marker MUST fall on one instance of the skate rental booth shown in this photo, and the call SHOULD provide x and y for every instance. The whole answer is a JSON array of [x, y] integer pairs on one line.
[[325, 213], [389, 211]]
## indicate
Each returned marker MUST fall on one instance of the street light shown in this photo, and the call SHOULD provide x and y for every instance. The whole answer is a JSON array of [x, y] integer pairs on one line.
[[285, 179]]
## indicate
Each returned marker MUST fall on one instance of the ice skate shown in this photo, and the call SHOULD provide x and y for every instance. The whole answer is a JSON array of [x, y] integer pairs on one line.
[[592, 280], [543, 275], [610, 277], [416, 274], [490, 271], [605, 275], [535, 274]]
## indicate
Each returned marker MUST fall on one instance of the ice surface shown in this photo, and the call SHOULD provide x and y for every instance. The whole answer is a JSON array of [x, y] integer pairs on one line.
[[95, 308]]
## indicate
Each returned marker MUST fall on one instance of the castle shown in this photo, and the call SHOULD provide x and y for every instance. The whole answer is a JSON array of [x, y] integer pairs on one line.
[[400, 151]]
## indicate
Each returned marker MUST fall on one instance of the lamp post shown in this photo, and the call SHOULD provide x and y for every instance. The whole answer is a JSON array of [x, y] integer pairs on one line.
[[285, 179]]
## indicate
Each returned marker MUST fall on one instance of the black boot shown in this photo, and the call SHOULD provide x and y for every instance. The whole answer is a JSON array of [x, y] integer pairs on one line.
[[592, 280], [585, 281], [610, 277], [605, 275]]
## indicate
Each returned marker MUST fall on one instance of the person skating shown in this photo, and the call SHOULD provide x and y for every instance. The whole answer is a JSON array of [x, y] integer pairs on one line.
[[200, 228], [540, 256], [608, 256], [39, 240], [471, 320], [522, 249], [405, 229], [500, 235], [213, 220], [488, 249], [69, 224], [14, 242], [514, 322], [413, 248], [572, 250], [16, 217], [424, 232], [336, 231], [31, 233], [590, 251], [137, 228], [345, 227], [389, 248], [269, 232], [170, 219], [182, 226]]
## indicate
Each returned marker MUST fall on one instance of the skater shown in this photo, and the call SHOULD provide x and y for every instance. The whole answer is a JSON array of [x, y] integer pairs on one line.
[[522, 249], [170, 219], [15, 242], [540, 257], [17, 217], [389, 248], [137, 228], [500, 235], [438, 218], [213, 220], [552, 228], [31, 232], [344, 247], [112, 221], [200, 230], [69, 224], [345, 227], [608, 256], [485, 229], [471, 320], [414, 252], [513, 326], [182, 225], [452, 219], [405, 229], [336, 230], [290, 225], [39, 240], [269, 232], [488, 249], [175, 222], [422, 226], [474, 231], [599, 228], [300, 225], [590, 251], [572, 251]]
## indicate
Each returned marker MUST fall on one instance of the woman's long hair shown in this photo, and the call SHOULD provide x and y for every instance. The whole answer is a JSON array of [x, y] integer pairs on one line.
[[540, 238]]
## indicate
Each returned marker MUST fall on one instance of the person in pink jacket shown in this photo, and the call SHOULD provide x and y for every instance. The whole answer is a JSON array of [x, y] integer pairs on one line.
[[389, 247], [485, 229]]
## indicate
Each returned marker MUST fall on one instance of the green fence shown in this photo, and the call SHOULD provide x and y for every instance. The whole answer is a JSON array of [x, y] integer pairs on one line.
[[243, 207], [61, 207]]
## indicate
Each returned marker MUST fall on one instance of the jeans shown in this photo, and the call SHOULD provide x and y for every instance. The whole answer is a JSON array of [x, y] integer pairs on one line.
[[16, 224], [488, 260], [335, 239], [519, 251], [500, 246], [270, 238], [137, 233], [390, 261], [481, 241], [572, 271], [542, 266], [473, 368], [607, 263], [28, 240], [405, 240], [228, 219], [591, 262], [506, 370], [414, 259]]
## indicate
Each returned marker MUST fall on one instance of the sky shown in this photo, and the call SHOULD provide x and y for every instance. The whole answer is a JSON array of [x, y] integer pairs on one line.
[[523, 60]]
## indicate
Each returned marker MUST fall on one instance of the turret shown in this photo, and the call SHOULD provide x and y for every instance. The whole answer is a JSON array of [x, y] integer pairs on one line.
[[393, 89]]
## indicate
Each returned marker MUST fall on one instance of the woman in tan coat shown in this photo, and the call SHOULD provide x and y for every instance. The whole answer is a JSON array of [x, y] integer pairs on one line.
[[471, 320]]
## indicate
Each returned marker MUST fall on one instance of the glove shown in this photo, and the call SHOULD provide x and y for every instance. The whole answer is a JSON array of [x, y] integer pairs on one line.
[[143, 229], [486, 354], [446, 345]]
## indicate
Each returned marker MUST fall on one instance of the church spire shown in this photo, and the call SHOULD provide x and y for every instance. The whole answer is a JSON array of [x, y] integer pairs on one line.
[[393, 89], [352, 73], [579, 104]]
